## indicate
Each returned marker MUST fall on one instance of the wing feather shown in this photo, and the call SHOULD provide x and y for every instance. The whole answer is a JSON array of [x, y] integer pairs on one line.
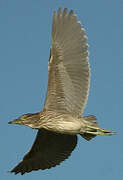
[[48, 150], [69, 73]]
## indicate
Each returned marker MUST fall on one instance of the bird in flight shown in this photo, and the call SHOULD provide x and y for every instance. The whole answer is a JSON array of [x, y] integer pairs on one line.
[[68, 87]]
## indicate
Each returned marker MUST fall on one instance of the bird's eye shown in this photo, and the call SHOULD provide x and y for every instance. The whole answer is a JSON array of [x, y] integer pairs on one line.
[[22, 117]]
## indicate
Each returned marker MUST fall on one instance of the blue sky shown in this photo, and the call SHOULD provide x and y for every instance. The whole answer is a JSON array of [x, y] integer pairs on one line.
[[25, 32]]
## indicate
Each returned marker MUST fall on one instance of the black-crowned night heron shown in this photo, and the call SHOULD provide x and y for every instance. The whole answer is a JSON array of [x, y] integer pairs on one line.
[[68, 86]]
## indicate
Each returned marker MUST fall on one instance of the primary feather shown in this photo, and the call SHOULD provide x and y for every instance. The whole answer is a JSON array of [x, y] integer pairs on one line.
[[69, 73]]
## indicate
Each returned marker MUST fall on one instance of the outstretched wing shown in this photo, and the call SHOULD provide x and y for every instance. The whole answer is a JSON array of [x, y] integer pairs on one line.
[[69, 74], [48, 150]]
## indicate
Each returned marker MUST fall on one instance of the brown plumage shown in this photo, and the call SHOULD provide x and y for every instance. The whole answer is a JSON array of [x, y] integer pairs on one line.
[[68, 85], [48, 150]]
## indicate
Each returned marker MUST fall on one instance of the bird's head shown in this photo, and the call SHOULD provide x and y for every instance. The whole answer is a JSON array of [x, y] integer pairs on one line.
[[25, 119]]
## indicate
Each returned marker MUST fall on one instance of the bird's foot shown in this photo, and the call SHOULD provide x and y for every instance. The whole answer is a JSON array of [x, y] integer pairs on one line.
[[99, 131]]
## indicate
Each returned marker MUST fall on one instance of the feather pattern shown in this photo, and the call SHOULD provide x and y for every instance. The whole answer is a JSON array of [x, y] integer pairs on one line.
[[40, 157], [69, 73]]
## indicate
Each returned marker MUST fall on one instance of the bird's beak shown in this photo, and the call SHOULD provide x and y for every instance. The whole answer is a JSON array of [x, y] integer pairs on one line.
[[10, 122], [16, 121]]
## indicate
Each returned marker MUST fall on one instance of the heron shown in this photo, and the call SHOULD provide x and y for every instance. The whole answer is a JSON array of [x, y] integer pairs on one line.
[[61, 119]]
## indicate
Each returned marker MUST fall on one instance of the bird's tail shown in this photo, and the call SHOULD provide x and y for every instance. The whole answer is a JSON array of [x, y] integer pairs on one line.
[[92, 128]]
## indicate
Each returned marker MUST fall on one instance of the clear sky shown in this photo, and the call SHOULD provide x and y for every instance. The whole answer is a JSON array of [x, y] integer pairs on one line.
[[25, 33]]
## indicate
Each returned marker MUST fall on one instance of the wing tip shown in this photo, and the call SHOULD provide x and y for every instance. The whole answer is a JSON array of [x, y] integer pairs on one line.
[[64, 12], [71, 12], [17, 172], [19, 169]]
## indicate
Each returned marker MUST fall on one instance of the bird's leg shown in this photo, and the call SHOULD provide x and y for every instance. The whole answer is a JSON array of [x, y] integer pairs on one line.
[[99, 131]]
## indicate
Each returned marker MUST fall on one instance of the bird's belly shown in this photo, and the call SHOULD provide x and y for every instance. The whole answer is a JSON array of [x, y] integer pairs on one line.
[[69, 127], [64, 126]]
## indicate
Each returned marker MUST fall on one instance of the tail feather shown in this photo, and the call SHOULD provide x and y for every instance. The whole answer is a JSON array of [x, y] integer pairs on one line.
[[92, 129], [91, 121], [87, 136]]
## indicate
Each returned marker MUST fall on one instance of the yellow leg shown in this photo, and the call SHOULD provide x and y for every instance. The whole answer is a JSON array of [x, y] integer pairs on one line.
[[99, 131]]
